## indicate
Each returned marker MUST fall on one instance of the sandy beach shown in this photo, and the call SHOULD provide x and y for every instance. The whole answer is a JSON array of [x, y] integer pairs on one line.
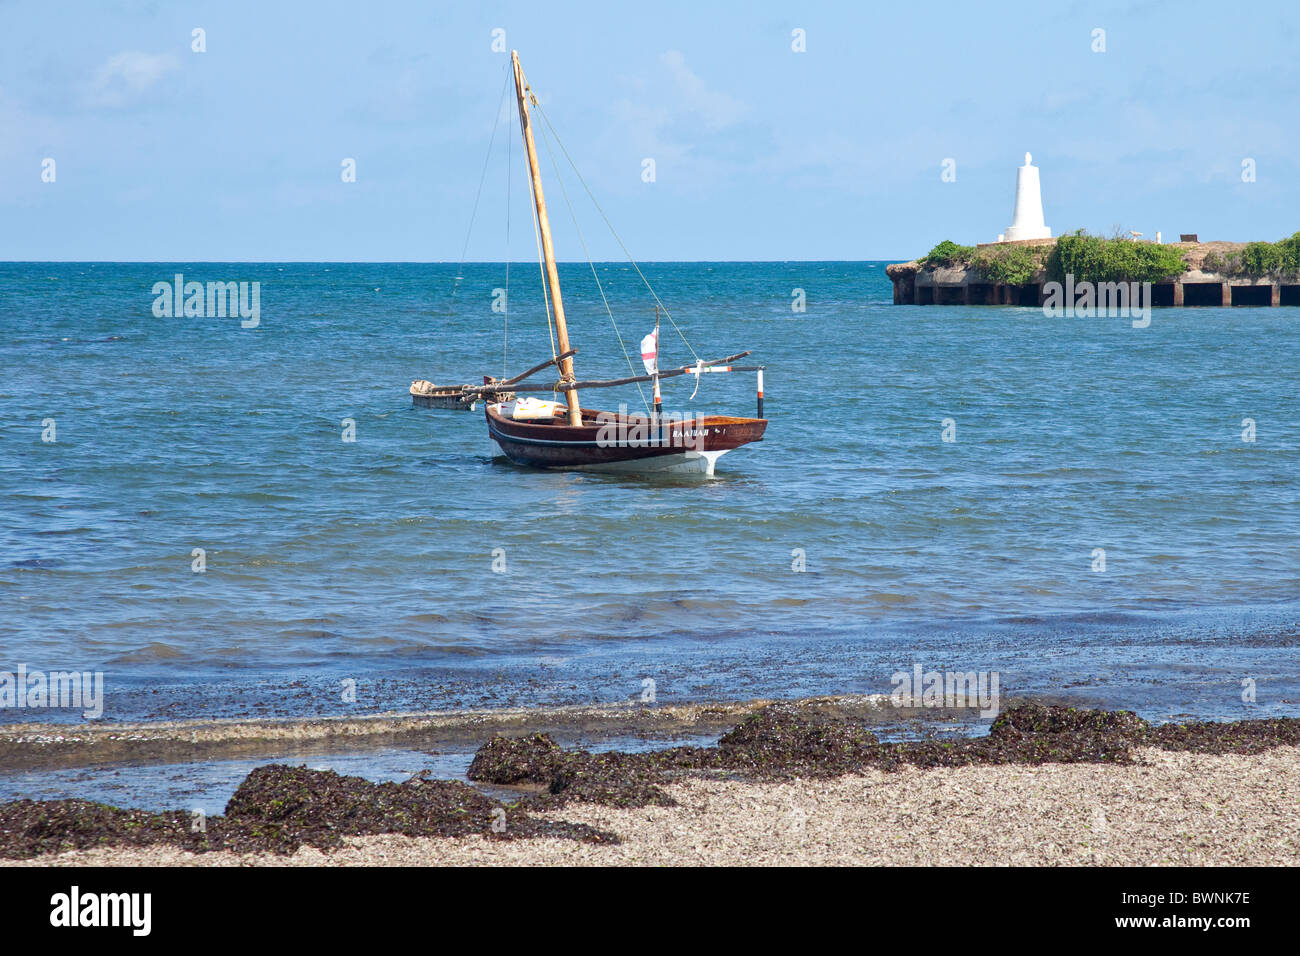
[[1165, 808]]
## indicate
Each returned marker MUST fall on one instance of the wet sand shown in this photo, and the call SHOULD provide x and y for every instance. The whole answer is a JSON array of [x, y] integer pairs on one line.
[[1165, 808]]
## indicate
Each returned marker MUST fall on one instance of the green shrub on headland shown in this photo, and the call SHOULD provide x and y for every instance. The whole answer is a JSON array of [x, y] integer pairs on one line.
[[1087, 258], [1258, 259], [1009, 265], [1006, 264], [1094, 259], [948, 253]]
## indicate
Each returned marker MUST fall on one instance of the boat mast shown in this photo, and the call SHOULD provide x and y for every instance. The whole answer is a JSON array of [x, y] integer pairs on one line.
[[544, 226]]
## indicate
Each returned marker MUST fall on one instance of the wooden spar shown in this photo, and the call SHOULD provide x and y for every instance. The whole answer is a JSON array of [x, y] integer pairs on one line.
[[537, 368], [610, 383], [544, 227], [684, 370]]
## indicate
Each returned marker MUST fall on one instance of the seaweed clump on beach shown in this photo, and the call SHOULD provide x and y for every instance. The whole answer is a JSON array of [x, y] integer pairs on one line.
[[1034, 718], [780, 740], [613, 778], [319, 807], [776, 741], [1030, 733], [516, 760], [31, 828], [784, 741], [788, 740], [278, 809], [1045, 733], [1238, 737]]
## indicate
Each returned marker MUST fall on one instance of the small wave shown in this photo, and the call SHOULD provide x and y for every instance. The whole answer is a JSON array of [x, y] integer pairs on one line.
[[416, 620], [311, 634], [886, 597], [156, 651]]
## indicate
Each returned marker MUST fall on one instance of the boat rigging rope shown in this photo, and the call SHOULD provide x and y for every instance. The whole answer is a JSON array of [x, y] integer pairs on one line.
[[586, 252], [612, 230], [478, 195]]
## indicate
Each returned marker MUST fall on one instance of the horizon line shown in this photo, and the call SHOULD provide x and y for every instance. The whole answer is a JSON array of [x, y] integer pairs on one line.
[[418, 262]]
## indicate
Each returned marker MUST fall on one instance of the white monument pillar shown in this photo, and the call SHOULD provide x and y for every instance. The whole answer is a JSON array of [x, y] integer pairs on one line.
[[1027, 218]]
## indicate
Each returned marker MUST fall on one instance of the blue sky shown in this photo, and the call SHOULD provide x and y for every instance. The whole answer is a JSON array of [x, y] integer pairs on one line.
[[760, 152]]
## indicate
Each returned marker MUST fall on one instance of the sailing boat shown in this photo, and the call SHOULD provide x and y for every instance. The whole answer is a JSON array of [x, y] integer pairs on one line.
[[564, 435]]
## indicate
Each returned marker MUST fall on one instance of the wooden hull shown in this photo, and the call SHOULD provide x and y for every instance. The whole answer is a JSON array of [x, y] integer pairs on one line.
[[607, 442]]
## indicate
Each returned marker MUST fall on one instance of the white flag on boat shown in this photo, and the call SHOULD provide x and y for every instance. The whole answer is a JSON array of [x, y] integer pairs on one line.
[[650, 352]]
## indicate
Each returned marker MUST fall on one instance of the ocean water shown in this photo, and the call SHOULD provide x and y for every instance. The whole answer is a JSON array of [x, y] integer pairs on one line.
[[372, 560]]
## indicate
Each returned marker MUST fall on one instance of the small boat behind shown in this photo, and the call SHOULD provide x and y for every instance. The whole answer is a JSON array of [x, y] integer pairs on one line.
[[424, 394]]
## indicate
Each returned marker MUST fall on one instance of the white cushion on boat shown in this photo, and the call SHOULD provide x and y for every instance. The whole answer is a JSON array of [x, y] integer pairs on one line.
[[531, 409]]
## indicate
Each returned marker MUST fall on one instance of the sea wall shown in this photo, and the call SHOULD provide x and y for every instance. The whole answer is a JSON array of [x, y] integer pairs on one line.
[[917, 284]]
